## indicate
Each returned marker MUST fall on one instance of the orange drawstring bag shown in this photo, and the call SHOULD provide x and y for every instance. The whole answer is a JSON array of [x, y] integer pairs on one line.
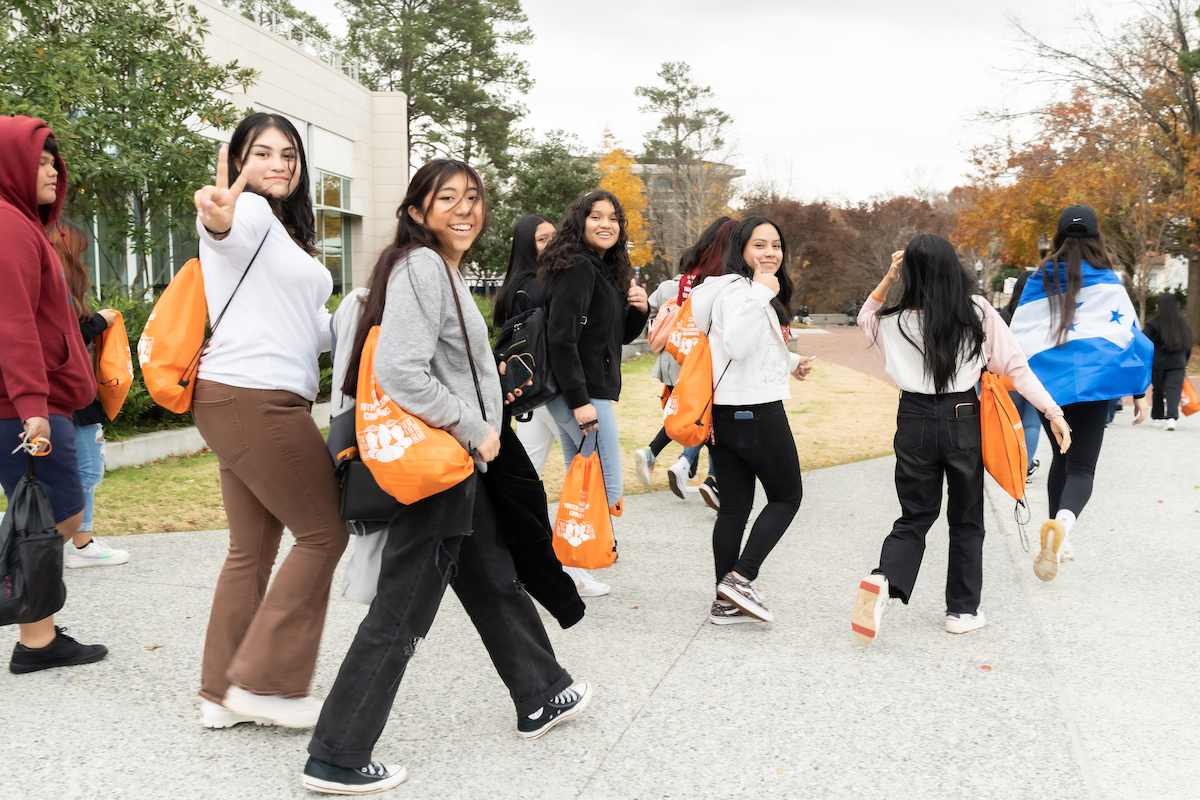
[[169, 349], [408, 459], [687, 415], [684, 335], [1189, 403], [114, 367], [1004, 453], [583, 535]]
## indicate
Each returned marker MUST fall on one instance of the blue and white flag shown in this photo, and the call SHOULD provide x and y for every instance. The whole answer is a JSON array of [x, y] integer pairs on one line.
[[1105, 354]]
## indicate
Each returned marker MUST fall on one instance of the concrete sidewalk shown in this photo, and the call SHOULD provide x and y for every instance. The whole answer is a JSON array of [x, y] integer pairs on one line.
[[1080, 688]]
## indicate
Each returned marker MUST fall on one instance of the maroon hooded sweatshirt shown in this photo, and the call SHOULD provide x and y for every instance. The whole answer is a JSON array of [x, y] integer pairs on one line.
[[44, 365]]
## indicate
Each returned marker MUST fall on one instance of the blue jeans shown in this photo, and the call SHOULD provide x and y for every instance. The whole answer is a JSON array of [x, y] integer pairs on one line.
[[608, 443], [1030, 422], [89, 449]]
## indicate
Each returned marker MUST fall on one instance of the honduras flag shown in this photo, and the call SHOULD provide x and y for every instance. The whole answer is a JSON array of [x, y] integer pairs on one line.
[[1105, 354]]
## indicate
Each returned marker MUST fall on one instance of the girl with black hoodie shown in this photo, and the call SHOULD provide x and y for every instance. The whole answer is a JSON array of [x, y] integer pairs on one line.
[[595, 306], [1172, 338]]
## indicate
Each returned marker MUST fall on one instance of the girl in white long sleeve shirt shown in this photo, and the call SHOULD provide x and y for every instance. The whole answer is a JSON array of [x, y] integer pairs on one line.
[[746, 315]]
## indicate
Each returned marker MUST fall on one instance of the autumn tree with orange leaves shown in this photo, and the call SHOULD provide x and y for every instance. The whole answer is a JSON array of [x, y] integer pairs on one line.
[[616, 176]]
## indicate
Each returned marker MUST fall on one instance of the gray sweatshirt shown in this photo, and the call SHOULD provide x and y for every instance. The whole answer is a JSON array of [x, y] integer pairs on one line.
[[421, 361]]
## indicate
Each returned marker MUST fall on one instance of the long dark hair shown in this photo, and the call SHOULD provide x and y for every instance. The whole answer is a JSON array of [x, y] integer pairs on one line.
[[691, 256], [735, 262], [1173, 329], [410, 235], [296, 210], [712, 258], [69, 241], [1072, 251], [522, 258], [937, 285], [560, 253]]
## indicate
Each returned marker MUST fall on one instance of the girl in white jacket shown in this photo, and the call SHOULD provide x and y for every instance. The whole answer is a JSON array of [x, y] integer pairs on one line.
[[746, 315]]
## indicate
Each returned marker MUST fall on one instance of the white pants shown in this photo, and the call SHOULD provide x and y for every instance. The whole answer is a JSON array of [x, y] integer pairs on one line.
[[537, 436]]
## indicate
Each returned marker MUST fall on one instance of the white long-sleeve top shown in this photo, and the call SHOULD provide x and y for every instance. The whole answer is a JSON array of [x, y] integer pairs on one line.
[[277, 325], [751, 362], [905, 363]]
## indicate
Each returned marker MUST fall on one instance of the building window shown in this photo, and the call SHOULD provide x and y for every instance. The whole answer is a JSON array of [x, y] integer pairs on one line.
[[331, 196]]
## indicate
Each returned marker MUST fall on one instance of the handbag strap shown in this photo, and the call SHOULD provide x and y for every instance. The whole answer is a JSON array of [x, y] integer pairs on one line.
[[466, 339], [195, 362]]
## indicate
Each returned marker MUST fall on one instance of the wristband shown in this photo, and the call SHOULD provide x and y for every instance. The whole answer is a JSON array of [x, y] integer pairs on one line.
[[211, 232], [873, 297]]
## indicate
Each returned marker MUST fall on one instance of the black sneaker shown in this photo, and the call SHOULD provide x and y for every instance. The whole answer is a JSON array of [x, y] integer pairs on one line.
[[1033, 467], [566, 704], [374, 777], [708, 490], [62, 652]]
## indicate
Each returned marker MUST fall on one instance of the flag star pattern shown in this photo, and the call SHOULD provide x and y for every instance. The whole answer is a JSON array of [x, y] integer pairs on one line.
[[1102, 356]]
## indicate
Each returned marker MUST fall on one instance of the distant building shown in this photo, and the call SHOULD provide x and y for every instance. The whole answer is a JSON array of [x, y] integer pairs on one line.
[[1167, 273], [355, 140], [681, 202]]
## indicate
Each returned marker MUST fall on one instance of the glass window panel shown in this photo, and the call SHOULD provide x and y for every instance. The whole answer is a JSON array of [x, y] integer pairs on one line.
[[185, 247], [317, 179], [331, 190], [334, 263], [111, 252], [331, 236], [346, 193], [161, 260]]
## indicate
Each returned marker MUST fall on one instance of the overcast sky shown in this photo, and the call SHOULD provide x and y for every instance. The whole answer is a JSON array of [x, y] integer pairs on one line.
[[831, 99]]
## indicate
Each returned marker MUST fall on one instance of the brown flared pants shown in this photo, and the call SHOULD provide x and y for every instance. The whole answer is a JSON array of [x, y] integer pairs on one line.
[[275, 471]]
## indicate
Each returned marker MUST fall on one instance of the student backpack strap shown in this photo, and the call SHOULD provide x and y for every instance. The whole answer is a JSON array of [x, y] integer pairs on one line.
[[466, 339], [195, 362]]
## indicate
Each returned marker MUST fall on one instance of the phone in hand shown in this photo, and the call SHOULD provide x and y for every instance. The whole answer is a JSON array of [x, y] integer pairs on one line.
[[516, 375]]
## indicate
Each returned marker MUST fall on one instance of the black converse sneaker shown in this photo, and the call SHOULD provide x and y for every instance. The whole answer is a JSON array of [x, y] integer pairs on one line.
[[566, 704], [374, 777], [63, 651]]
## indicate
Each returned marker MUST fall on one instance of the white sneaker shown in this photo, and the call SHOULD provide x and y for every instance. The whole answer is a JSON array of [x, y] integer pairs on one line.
[[963, 623], [677, 476], [1066, 552], [93, 554], [287, 712], [585, 584], [1171, 424], [869, 606], [215, 715], [643, 464]]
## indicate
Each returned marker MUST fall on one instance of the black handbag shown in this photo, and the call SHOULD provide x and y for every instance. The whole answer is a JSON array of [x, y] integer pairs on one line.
[[362, 500], [31, 556], [522, 344]]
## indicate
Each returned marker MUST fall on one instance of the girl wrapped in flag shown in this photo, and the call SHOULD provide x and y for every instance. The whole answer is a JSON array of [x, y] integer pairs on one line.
[[1077, 326]]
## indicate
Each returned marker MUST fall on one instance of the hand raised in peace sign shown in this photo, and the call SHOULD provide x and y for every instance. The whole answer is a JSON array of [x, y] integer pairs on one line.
[[214, 204]]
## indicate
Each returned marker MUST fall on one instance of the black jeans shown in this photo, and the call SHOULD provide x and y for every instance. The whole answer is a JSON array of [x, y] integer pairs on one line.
[[431, 544], [1168, 387], [1069, 483], [763, 448], [932, 442]]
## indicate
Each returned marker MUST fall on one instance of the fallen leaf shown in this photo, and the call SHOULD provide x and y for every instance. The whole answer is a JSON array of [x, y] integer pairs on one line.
[[937, 666], [986, 667], [635, 606], [1160, 501], [189, 616], [667, 649], [779, 771], [153, 646], [81, 679]]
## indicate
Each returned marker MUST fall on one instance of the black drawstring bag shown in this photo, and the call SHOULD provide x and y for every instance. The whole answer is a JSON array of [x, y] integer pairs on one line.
[[31, 556]]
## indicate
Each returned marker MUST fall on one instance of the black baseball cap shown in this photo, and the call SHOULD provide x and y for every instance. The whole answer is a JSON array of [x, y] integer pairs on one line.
[[1078, 222]]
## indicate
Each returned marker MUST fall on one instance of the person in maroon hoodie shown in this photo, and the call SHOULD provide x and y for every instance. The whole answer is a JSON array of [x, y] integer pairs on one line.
[[45, 373]]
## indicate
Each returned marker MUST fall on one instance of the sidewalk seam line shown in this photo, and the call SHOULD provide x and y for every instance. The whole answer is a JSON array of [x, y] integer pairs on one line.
[[1081, 755], [642, 707]]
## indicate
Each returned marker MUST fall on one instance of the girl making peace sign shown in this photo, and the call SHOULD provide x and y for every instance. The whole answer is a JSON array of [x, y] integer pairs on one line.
[[256, 383]]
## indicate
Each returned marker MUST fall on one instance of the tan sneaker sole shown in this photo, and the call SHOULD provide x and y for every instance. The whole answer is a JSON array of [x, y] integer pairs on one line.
[[862, 618], [1045, 566]]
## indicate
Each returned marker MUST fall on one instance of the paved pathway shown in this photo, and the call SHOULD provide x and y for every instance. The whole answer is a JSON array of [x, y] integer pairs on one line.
[[1081, 688]]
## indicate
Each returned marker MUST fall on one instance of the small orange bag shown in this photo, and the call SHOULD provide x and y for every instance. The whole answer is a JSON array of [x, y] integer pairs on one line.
[[1189, 402], [114, 367], [684, 335], [1004, 453], [169, 349], [408, 459], [664, 323], [583, 535]]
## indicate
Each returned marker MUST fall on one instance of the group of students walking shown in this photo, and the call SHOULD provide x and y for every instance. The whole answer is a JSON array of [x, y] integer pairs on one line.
[[258, 378]]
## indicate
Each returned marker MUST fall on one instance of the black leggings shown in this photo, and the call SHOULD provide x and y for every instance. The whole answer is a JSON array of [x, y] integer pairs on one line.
[[1070, 482], [761, 447], [1168, 388]]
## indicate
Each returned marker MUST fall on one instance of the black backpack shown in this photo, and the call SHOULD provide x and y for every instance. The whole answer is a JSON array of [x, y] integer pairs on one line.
[[522, 345]]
